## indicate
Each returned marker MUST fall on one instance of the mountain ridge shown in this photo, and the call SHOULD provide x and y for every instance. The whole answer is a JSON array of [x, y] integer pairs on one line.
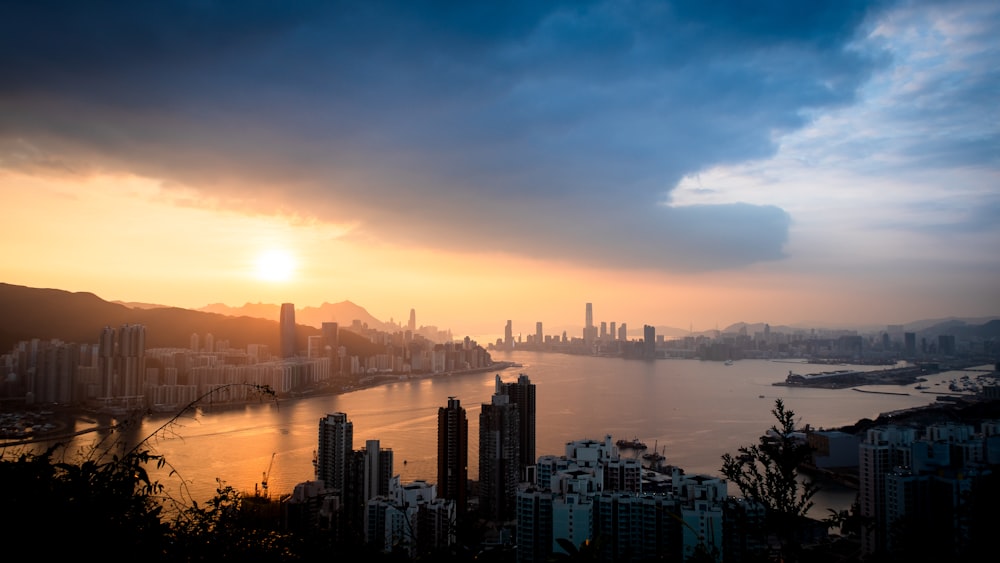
[[47, 313], [44, 313]]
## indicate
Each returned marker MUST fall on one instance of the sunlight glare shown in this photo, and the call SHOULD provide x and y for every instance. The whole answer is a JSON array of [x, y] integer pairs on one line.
[[275, 265]]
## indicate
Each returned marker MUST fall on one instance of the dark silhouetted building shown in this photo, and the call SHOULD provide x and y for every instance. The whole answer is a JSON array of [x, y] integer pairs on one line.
[[377, 470], [498, 458], [336, 446], [522, 394], [453, 455]]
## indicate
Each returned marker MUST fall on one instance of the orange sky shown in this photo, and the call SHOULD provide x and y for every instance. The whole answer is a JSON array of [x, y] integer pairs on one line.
[[124, 238]]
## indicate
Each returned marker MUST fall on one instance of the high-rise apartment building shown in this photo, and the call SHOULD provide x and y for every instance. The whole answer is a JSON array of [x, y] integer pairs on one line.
[[534, 525], [378, 470], [132, 360], [122, 365], [106, 362], [331, 345], [522, 394], [498, 458], [883, 450], [453, 454], [336, 446], [287, 324]]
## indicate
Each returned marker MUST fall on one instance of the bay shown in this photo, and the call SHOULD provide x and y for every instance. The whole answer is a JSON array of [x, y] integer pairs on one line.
[[692, 411]]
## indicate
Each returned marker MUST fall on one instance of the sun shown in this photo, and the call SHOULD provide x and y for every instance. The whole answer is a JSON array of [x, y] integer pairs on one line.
[[275, 265]]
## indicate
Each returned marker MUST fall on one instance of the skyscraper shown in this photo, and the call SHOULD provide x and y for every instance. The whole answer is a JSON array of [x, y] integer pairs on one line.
[[508, 335], [132, 362], [588, 327], [883, 449], [539, 338], [331, 345], [287, 330], [378, 470], [498, 458], [412, 325], [336, 445], [649, 342], [122, 365], [453, 454], [106, 362], [522, 394]]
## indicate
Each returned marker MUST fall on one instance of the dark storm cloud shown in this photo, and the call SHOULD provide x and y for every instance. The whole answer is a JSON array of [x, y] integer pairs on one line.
[[551, 129]]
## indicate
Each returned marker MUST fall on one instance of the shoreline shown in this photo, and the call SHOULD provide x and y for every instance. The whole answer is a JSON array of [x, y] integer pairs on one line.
[[67, 417]]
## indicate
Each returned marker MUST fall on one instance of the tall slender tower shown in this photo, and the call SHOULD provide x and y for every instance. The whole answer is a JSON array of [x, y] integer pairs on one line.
[[336, 446], [412, 325], [588, 328], [287, 330], [453, 454]]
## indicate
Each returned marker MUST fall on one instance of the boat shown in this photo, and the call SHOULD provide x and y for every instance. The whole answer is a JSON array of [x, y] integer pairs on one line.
[[729, 362], [655, 455], [633, 444]]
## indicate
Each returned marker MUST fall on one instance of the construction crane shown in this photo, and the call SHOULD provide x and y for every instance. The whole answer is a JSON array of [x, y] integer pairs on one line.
[[263, 481]]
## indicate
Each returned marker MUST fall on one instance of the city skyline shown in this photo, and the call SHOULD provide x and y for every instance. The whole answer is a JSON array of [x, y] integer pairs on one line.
[[833, 164]]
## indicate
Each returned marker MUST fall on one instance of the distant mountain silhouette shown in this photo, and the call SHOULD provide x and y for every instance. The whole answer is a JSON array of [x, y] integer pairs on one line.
[[137, 305], [960, 327], [29, 313], [343, 313], [946, 323], [962, 330], [751, 328]]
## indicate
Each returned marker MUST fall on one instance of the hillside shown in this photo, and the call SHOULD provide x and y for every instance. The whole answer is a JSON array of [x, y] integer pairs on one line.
[[79, 317]]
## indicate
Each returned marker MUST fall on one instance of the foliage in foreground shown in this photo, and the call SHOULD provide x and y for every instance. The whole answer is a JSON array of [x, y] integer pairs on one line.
[[104, 502], [768, 473]]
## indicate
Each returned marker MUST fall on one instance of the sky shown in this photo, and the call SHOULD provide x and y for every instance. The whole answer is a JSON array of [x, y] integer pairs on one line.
[[834, 163]]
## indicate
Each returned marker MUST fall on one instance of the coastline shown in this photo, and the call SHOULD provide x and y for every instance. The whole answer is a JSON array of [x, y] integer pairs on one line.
[[67, 417]]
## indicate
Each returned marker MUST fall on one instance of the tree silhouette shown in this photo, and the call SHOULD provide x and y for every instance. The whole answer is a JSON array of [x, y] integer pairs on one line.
[[104, 503], [768, 473]]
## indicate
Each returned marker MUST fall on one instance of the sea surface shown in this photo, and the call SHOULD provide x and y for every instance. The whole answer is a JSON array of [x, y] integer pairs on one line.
[[691, 411]]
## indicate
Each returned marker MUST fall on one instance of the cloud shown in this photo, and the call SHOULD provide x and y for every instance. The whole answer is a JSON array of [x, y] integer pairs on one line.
[[553, 130]]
